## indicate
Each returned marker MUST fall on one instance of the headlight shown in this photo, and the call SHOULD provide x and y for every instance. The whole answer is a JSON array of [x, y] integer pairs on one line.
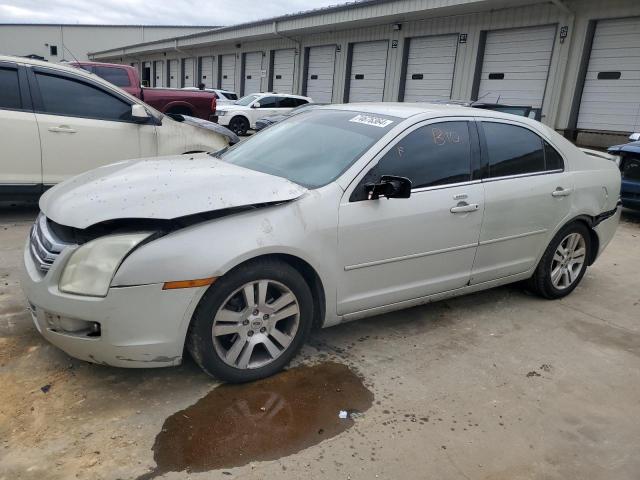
[[220, 113], [91, 267]]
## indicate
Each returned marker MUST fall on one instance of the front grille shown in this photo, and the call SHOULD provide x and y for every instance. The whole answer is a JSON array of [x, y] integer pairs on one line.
[[44, 245]]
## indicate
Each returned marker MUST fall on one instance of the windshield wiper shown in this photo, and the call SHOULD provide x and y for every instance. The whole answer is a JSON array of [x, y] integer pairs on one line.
[[219, 153]]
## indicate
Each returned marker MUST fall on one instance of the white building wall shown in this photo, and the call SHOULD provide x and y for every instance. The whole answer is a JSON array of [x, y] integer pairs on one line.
[[78, 40]]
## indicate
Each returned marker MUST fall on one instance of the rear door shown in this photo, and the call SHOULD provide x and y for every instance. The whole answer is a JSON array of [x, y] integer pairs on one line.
[[83, 126], [21, 168], [527, 194]]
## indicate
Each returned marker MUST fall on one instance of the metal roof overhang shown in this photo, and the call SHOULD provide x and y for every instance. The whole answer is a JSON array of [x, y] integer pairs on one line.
[[347, 16]]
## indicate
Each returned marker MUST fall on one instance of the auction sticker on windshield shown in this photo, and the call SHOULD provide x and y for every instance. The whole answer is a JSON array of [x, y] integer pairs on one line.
[[371, 120]]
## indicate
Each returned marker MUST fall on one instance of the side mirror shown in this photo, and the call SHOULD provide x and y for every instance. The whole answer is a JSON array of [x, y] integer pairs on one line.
[[389, 186], [256, 105], [139, 114], [634, 137]]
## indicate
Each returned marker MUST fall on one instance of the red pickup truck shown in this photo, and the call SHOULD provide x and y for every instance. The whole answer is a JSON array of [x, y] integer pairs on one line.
[[194, 103]]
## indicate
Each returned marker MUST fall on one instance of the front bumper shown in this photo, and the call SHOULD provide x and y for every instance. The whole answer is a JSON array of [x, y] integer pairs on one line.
[[140, 326]]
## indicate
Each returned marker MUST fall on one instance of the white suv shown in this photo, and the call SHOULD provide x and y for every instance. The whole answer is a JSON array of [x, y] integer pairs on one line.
[[242, 115], [58, 121]]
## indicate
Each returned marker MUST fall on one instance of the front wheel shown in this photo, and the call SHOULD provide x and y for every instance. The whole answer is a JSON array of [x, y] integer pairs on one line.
[[251, 322], [564, 262]]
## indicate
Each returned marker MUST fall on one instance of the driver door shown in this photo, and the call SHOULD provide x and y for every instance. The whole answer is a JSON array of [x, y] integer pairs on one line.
[[394, 250]]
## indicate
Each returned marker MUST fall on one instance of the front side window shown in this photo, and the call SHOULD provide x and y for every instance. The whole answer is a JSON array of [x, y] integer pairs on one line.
[[117, 76], [268, 102], [512, 150], [436, 154], [64, 96], [311, 149], [9, 89]]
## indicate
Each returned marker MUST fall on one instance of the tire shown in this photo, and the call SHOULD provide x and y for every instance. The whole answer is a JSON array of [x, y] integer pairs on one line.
[[570, 267], [239, 125], [251, 342]]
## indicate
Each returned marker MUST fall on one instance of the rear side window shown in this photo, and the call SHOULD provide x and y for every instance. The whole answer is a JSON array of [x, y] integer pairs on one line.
[[512, 150], [288, 102], [230, 96], [436, 154], [117, 76], [9, 89], [268, 102], [552, 159], [64, 96]]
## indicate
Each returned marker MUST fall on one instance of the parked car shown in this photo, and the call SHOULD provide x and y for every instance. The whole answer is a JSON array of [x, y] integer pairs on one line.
[[196, 103], [629, 162], [335, 214], [242, 115], [271, 119], [57, 121], [224, 97]]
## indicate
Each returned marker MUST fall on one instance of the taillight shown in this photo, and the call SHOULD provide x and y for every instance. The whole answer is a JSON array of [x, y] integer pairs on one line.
[[213, 104]]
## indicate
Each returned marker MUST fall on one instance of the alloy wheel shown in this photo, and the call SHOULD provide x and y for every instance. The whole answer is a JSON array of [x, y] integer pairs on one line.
[[568, 261], [255, 324]]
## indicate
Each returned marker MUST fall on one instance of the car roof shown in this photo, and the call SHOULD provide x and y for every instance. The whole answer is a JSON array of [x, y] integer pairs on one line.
[[41, 63], [406, 110], [276, 94]]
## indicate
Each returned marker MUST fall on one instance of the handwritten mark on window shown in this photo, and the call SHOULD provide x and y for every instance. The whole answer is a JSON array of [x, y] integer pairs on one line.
[[442, 137]]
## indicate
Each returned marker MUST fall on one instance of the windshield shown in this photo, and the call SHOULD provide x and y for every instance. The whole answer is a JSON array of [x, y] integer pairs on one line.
[[244, 101], [312, 148]]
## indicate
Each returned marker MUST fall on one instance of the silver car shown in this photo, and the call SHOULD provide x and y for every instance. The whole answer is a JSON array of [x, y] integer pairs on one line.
[[332, 215]]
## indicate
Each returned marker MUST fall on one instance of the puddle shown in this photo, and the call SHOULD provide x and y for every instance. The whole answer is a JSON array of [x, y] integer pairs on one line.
[[264, 420]]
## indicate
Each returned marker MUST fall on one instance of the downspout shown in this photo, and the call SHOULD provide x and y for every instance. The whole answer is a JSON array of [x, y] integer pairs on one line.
[[299, 54]]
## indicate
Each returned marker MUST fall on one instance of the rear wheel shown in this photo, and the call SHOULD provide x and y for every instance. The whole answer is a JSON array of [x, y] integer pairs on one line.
[[239, 125], [251, 322], [564, 262]]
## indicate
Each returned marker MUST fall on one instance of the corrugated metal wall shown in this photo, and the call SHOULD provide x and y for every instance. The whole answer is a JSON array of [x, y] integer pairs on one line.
[[564, 70]]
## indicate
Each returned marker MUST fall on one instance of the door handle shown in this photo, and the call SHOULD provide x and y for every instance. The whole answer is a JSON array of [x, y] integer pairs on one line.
[[62, 129], [464, 207], [561, 192]]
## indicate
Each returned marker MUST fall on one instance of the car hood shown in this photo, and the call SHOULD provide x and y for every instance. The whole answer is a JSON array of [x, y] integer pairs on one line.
[[162, 188]]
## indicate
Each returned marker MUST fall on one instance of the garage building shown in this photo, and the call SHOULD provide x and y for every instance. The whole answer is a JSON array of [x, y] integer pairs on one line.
[[576, 61]]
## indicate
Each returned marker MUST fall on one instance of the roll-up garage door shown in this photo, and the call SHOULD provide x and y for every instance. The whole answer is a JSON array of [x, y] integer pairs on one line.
[[206, 71], [368, 68], [282, 74], [611, 95], [430, 65], [173, 73], [158, 73], [515, 66], [252, 72], [188, 75], [227, 70], [320, 70]]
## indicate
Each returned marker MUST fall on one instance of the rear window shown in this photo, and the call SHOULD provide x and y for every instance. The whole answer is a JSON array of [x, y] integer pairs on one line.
[[9, 89], [117, 76]]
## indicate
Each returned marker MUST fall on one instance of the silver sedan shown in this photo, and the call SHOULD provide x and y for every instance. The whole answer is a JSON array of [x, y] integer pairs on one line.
[[335, 214]]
